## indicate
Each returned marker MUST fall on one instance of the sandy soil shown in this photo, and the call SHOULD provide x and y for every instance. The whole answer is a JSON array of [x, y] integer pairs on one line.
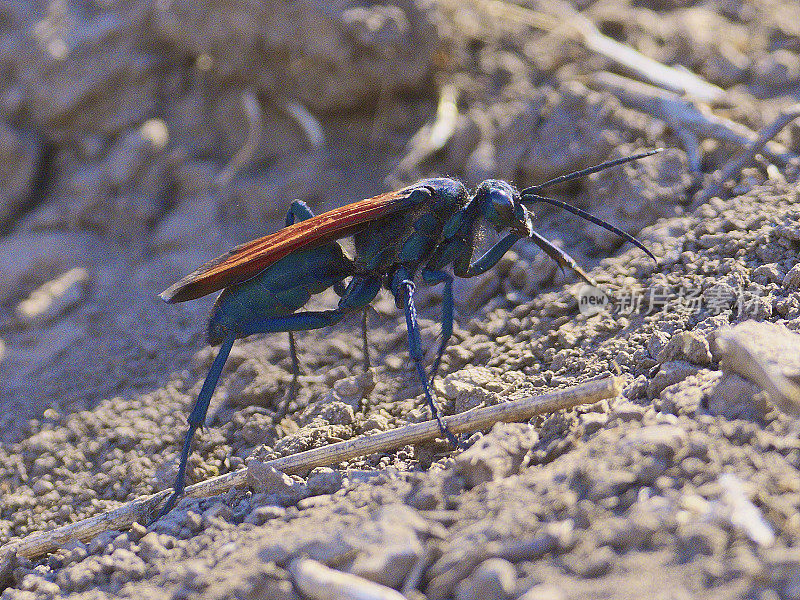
[[140, 139]]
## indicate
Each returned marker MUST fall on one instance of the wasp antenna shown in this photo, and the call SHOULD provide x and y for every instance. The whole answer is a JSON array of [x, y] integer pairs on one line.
[[529, 197], [588, 171]]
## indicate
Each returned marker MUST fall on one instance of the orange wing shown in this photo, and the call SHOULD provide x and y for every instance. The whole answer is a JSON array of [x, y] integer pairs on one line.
[[249, 259]]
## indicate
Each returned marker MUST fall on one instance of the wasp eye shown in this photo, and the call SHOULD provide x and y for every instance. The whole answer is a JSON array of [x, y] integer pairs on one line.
[[502, 204]]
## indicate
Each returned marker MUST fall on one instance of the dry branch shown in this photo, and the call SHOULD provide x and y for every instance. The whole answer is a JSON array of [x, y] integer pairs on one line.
[[563, 18], [144, 510], [686, 119], [734, 166], [319, 582]]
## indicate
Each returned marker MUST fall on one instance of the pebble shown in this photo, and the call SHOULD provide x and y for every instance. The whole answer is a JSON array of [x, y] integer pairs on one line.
[[669, 373], [543, 591], [791, 281], [493, 579], [262, 514], [318, 582], [737, 398], [591, 565], [686, 345], [497, 454], [324, 480], [265, 479], [389, 563]]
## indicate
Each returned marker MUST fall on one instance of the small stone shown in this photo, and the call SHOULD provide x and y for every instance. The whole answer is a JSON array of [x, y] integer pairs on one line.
[[498, 454], [593, 422], [493, 579], [591, 565], [657, 342], [765, 274], [737, 398], [669, 373], [700, 539], [265, 479], [262, 514], [543, 591], [323, 480], [389, 564], [8, 562], [686, 345], [151, 546], [791, 280], [470, 387]]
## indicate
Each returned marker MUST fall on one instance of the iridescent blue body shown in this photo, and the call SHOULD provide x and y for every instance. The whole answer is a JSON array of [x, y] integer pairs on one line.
[[422, 232]]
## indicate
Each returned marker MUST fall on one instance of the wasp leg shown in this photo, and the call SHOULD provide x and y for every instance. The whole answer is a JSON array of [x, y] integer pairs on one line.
[[464, 268], [364, 323], [298, 211], [403, 287], [359, 293], [196, 420], [434, 277]]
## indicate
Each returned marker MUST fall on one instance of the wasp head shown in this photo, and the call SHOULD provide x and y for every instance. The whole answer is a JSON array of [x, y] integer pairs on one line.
[[502, 207]]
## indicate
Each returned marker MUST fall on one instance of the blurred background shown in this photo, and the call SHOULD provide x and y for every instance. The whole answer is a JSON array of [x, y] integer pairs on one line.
[[140, 138]]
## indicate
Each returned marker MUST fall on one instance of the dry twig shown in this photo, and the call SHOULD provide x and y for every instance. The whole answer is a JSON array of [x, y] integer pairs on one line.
[[734, 166], [687, 121], [143, 510], [563, 18], [319, 582]]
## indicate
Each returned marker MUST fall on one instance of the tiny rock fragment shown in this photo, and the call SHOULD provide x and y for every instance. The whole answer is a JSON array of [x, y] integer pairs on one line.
[[471, 387], [324, 480], [768, 354], [735, 397], [265, 479], [493, 579], [686, 345], [670, 372], [497, 455], [318, 582], [791, 281]]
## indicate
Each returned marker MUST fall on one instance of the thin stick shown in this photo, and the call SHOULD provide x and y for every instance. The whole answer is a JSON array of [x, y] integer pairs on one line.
[[686, 119], [144, 510], [563, 18], [734, 166], [255, 131]]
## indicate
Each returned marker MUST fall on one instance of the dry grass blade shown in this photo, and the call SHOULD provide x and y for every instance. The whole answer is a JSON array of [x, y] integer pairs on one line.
[[144, 510], [733, 167], [686, 119], [563, 17]]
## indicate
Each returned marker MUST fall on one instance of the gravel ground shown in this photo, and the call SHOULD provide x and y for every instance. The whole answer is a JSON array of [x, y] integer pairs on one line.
[[142, 138]]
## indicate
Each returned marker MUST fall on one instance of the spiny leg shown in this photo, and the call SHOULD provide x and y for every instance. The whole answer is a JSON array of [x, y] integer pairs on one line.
[[405, 288], [434, 277], [364, 324], [295, 389], [196, 419], [298, 211]]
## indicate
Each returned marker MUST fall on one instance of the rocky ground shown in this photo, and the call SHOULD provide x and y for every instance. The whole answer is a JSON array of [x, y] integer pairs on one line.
[[142, 138]]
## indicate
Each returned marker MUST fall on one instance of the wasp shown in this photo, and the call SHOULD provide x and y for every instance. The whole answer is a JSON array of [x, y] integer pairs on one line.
[[427, 232]]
